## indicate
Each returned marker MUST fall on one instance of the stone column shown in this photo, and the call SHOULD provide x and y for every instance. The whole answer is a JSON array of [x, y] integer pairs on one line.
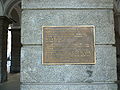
[[38, 13], [4, 23], [15, 50]]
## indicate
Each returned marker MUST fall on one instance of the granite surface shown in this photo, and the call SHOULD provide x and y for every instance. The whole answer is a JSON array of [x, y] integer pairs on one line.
[[38, 4], [32, 69], [70, 87], [33, 20]]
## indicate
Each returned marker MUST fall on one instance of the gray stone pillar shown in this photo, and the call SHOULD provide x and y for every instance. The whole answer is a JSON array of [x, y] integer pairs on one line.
[[38, 13], [4, 23], [15, 50]]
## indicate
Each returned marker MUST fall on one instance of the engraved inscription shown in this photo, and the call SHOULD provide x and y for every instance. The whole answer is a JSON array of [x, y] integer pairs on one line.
[[68, 45]]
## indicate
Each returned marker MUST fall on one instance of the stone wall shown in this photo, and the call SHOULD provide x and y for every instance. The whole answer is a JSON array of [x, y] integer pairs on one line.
[[1, 9], [38, 13]]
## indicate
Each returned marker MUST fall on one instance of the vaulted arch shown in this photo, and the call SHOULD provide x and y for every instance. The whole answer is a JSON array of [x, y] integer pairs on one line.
[[12, 9], [10, 14], [15, 14]]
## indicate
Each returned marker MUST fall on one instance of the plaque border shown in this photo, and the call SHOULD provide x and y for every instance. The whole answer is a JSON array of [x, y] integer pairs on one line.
[[71, 63]]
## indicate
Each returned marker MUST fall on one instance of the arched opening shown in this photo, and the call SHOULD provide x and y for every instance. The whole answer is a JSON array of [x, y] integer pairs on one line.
[[14, 33], [12, 9]]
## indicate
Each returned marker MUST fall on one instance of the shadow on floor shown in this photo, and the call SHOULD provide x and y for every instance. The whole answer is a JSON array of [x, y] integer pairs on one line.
[[13, 83]]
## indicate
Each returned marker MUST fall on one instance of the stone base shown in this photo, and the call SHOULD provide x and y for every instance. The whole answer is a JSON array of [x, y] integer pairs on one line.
[[70, 87]]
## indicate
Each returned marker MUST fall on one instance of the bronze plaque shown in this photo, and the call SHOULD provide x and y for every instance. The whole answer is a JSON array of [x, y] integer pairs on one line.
[[68, 45]]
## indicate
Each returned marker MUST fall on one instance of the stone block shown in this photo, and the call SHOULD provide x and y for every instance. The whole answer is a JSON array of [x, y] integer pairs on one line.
[[38, 4], [1, 9], [33, 20], [70, 87], [32, 69]]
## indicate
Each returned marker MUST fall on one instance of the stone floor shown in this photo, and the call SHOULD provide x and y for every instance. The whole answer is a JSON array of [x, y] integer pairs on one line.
[[13, 83]]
